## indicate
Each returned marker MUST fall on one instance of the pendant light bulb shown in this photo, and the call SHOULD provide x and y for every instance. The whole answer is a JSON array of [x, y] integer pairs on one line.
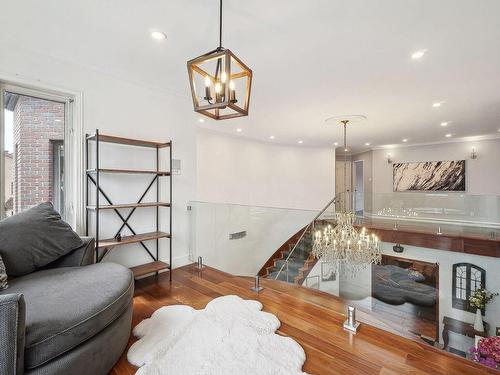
[[223, 77], [208, 81], [218, 88], [232, 85]]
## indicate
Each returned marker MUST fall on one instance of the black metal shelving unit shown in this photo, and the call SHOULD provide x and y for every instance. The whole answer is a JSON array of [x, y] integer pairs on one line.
[[104, 246]]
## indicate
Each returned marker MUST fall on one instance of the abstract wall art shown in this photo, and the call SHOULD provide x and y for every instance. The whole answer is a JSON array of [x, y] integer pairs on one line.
[[429, 176]]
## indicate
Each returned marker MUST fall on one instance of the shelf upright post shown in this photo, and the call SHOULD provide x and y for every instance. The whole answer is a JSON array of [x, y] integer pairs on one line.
[[157, 199], [171, 208], [97, 194]]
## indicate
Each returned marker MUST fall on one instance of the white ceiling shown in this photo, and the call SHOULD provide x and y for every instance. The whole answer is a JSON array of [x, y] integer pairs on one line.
[[312, 59]]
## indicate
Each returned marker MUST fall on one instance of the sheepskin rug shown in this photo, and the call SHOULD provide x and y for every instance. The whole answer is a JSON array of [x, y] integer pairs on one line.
[[231, 336]]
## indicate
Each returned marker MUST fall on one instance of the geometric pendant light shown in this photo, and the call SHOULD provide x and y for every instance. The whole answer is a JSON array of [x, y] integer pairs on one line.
[[220, 82]]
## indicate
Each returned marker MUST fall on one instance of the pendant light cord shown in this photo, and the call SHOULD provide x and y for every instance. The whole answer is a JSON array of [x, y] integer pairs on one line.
[[220, 24]]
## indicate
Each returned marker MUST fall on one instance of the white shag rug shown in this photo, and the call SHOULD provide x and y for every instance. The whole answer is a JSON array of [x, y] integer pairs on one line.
[[231, 336]]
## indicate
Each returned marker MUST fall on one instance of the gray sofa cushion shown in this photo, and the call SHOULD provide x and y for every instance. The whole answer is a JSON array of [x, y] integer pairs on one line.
[[67, 306], [35, 238]]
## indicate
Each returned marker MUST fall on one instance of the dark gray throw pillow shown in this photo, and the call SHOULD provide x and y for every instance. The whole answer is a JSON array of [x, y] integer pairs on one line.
[[35, 238]]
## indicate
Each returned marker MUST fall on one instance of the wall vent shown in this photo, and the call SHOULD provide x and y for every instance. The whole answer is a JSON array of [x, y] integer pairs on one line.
[[237, 235]]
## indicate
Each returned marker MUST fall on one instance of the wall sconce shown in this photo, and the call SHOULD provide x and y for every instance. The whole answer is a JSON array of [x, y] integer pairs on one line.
[[389, 159], [473, 154]]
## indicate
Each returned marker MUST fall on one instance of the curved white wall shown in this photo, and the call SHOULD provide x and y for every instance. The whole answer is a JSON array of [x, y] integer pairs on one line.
[[238, 170]]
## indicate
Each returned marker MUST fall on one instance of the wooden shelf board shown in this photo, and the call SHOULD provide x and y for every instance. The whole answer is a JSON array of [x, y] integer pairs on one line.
[[130, 205], [128, 171], [144, 269], [129, 141], [111, 242]]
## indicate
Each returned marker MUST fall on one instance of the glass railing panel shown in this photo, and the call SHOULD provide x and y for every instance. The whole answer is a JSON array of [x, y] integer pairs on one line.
[[454, 214], [296, 261], [240, 239]]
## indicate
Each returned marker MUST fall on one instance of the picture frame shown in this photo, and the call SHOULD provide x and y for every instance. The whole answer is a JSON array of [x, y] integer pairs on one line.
[[424, 176], [328, 272]]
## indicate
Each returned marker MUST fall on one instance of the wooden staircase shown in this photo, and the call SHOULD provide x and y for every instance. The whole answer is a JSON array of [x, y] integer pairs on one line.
[[300, 262]]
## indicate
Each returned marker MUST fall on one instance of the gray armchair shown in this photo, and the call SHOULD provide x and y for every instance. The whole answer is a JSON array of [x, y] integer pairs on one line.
[[71, 317]]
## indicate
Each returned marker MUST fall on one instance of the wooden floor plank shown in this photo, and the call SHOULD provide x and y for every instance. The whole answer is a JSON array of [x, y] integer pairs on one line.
[[314, 319]]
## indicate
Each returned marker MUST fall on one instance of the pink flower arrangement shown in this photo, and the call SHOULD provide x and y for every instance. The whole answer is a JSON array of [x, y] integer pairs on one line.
[[487, 351]]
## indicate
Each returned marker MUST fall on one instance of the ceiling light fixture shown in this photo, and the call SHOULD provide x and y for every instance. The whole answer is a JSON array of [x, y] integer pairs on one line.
[[300, 142], [336, 143], [444, 123], [225, 88], [239, 130], [448, 135], [271, 137], [437, 104], [158, 35], [405, 140], [202, 120], [418, 54], [343, 246], [367, 144]]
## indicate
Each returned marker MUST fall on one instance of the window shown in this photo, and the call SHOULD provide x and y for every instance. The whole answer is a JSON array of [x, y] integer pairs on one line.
[[467, 278], [32, 134]]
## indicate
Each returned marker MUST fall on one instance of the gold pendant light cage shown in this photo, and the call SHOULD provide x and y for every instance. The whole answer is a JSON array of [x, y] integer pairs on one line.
[[220, 84]]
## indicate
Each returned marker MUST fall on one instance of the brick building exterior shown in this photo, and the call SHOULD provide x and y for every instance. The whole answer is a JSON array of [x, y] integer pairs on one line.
[[38, 130]]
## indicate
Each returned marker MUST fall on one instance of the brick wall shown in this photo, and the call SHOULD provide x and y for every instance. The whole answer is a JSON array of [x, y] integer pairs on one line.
[[37, 123]]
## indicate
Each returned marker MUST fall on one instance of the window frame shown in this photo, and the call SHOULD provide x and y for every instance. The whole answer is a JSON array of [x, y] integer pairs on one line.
[[463, 304], [73, 136]]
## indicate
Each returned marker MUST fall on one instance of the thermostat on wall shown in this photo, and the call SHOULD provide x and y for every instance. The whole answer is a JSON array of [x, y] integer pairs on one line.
[[176, 166]]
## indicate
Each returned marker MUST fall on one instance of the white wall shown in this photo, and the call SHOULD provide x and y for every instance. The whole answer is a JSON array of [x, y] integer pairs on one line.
[[483, 173], [128, 109], [233, 170]]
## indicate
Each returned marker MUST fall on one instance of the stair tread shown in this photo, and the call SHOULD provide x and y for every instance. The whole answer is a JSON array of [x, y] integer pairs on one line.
[[292, 263]]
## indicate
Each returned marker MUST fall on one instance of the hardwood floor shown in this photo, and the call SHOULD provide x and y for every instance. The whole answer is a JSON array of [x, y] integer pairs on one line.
[[312, 318]]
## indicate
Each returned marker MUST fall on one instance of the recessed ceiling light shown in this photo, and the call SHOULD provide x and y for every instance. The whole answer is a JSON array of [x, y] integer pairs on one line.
[[437, 104], [201, 120], [239, 130], [418, 54], [405, 140], [448, 135], [444, 123], [158, 35], [300, 142], [367, 144], [346, 149], [336, 143], [271, 137], [57, 120]]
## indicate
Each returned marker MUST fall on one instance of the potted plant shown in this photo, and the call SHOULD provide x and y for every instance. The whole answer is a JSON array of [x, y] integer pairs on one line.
[[487, 352], [479, 300]]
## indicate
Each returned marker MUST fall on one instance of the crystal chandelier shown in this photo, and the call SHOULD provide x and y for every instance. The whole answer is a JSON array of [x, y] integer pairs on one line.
[[343, 245], [220, 82]]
